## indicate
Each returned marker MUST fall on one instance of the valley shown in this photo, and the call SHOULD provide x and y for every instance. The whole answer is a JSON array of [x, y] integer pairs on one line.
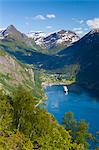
[[76, 61], [49, 74], [26, 69]]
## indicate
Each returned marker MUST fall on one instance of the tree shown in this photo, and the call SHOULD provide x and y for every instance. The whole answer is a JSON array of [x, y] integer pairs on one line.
[[24, 107], [26, 127], [15, 141], [5, 112], [78, 129]]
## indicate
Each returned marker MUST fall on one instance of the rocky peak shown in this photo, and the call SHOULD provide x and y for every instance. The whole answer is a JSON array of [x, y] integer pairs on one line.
[[61, 32], [66, 32], [11, 27], [10, 30]]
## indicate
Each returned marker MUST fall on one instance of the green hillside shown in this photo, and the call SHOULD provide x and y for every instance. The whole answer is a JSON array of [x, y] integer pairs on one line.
[[26, 127], [13, 74], [23, 124]]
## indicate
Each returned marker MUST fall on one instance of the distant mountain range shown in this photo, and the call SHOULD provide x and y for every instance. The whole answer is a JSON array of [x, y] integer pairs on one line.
[[61, 38], [80, 59], [46, 43]]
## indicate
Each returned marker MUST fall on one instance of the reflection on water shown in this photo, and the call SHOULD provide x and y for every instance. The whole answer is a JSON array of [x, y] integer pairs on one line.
[[83, 105]]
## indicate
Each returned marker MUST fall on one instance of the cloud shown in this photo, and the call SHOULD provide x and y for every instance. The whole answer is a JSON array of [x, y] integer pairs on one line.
[[81, 21], [78, 31], [49, 27], [78, 21], [50, 16], [39, 17], [86, 29], [42, 17], [93, 23]]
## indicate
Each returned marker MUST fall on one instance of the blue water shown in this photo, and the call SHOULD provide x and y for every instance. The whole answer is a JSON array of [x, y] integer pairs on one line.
[[81, 103]]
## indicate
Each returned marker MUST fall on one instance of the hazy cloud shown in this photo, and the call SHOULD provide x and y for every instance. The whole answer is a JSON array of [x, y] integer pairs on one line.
[[86, 29], [78, 31], [49, 27], [78, 21], [50, 16], [81, 21], [93, 23], [39, 17]]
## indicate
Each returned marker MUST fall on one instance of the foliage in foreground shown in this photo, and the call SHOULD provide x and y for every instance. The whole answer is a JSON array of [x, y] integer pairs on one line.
[[25, 127], [78, 130]]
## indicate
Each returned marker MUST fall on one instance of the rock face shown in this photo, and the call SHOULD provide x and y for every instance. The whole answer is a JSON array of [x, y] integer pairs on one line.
[[12, 34], [13, 73], [52, 40], [12, 31]]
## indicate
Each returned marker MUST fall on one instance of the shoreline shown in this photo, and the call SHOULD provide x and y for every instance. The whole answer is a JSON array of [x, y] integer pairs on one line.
[[44, 84]]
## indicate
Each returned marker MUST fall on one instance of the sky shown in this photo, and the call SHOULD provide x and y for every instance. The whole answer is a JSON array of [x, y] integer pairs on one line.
[[79, 16]]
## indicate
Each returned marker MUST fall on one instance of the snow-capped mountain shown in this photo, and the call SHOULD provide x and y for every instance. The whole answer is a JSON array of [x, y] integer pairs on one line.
[[40, 41], [51, 40], [38, 37], [1, 33]]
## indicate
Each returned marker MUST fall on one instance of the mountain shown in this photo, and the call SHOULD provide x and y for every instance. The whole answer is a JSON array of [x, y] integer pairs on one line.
[[12, 34], [85, 52], [80, 60], [24, 125], [39, 41], [37, 36], [16, 40], [54, 41]]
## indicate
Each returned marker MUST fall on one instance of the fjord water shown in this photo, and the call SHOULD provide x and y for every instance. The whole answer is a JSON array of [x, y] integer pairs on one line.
[[81, 103]]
